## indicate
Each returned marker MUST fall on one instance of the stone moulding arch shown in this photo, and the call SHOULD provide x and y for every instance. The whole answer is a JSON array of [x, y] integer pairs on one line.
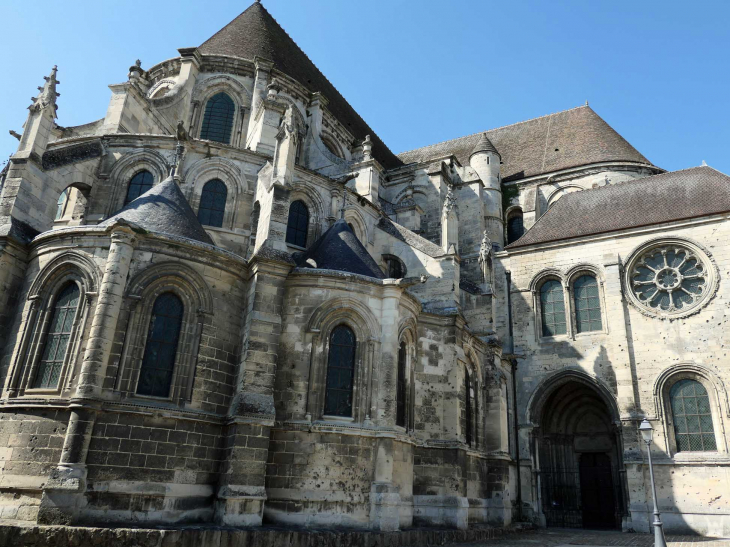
[[207, 87], [188, 279], [688, 369], [584, 268], [130, 164], [354, 217], [548, 385], [207, 169], [340, 309], [559, 189], [543, 275], [61, 266]]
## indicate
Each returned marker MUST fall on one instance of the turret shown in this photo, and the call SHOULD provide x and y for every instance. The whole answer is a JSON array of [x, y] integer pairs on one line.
[[485, 160]]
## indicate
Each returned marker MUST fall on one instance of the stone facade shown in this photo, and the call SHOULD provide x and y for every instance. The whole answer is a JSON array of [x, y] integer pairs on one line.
[[457, 409]]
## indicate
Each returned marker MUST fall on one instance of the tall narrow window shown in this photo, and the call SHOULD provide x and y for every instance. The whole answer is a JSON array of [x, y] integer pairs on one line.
[[467, 403], [552, 307], [395, 267], [515, 227], [58, 336], [692, 416], [297, 224], [400, 394], [155, 376], [218, 119], [213, 203], [61, 204], [587, 304], [340, 372], [140, 183]]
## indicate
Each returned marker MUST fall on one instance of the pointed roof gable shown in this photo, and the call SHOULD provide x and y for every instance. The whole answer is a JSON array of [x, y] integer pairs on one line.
[[339, 249], [669, 197], [163, 209], [557, 141], [256, 33]]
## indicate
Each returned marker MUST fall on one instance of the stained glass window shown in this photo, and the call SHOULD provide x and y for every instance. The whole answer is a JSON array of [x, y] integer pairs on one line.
[[61, 204], [213, 203], [552, 308], [155, 376], [693, 427], [218, 119], [140, 183], [587, 304], [57, 337], [400, 395], [298, 224], [340, 372], [467, 403], [515, 227]]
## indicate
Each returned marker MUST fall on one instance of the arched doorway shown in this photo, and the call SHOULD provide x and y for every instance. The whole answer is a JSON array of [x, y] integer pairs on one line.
[[578, 458]]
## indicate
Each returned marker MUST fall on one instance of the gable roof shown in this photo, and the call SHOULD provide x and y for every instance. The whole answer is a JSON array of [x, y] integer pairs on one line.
[[690, 193], [256, 33], [339, 249], [557, 141], [163, 209]]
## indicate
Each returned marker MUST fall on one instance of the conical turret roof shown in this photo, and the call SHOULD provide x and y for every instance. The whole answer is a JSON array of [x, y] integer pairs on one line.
[[255, 33], [484, 145], [339, 249], [163, 209]]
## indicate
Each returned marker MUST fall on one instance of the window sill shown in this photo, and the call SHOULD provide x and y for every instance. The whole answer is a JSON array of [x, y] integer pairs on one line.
[[295, 247], [341, 419]]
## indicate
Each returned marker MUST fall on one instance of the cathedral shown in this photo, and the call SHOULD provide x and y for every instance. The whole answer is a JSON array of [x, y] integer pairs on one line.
[[227, 302]]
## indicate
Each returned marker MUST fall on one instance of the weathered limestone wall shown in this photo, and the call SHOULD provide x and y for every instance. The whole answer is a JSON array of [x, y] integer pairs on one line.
[[631, 358]]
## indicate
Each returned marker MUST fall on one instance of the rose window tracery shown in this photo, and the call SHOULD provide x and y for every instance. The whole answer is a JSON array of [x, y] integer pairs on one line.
[[670, 279]]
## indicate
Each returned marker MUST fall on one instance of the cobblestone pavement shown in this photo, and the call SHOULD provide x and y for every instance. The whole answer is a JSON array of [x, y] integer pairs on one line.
[[569, 538]]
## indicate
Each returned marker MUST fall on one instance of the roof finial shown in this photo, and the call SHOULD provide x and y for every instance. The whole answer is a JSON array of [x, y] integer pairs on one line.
[[48, 94], [586, 102]]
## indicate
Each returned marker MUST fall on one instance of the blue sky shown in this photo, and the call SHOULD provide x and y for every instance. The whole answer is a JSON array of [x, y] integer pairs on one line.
[[418, 71]]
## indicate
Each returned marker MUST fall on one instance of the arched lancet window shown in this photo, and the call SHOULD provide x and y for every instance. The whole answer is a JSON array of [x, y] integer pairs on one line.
[[297, 224], [140, 183], [395, 268], [340, 372], [58, 337], [587, 304], [692, 415], [400, 393], [467, 403], [155, 376], [218, 119], [515, 227], [61, 204], [552, 308], [213, 203]]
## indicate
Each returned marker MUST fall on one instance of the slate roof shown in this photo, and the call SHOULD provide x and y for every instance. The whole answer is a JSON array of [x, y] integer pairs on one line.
[[679, 195], [557, 141], [256, 33], [163, 209], [339, 249]]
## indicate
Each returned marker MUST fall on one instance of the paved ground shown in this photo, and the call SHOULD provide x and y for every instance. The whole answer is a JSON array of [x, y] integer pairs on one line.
[[571, 538]]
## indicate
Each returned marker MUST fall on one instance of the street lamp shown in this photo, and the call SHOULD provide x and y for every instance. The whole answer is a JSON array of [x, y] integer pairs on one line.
[[646, 433]]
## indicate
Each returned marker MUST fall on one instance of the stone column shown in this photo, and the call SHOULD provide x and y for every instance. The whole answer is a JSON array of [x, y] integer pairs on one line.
[[384, 496], [63, 493], [241, 491]]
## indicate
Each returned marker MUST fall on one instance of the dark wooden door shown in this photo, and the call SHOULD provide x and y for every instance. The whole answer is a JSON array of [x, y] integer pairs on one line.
[[596, 488]]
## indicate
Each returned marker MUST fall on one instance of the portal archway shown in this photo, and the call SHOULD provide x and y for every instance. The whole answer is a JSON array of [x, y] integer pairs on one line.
[[579, 458]]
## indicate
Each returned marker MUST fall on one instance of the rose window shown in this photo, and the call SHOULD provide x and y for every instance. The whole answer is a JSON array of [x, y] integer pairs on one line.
[[670, 279]]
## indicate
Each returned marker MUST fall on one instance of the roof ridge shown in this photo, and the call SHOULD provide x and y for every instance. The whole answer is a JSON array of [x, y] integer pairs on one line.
[[494, 129]]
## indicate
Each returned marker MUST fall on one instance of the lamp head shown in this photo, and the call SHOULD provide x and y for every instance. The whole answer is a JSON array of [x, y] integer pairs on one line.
[[646, 431]]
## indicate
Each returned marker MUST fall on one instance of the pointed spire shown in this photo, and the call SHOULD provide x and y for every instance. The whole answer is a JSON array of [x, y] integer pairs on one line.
[[484, 145], [47, 93]]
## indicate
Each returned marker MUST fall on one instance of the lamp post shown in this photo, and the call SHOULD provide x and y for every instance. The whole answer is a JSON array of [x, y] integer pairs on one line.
[[646, 433]]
